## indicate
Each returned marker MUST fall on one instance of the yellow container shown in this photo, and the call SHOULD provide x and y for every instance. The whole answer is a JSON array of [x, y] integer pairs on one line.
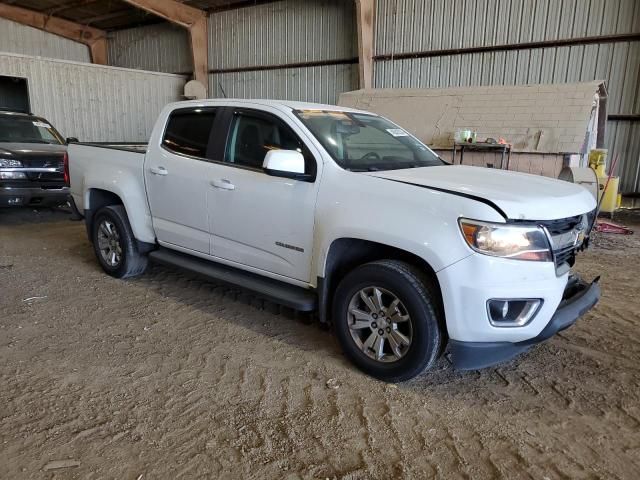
[[610, 198], [598, 160]]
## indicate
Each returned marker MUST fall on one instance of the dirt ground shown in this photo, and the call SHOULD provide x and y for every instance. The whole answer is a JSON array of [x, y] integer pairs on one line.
[[167, 376]]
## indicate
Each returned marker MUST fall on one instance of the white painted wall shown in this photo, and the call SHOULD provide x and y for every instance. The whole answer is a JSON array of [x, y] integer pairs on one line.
[[95, 103]]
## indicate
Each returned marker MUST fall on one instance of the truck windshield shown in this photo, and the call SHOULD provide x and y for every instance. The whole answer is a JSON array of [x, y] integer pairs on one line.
[[16, 129], [367, 143]]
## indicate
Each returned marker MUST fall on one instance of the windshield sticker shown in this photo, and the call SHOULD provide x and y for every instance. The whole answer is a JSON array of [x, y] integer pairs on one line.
[[397, 132], [42, 125]]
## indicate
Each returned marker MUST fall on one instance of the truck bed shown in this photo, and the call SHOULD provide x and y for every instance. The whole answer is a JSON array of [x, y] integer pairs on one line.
[[117, 168]]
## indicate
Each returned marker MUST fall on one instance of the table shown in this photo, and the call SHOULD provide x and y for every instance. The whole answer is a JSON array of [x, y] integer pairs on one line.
[[504, 148]]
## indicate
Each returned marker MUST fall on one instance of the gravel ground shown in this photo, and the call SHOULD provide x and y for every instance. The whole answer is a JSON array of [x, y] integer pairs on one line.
[[167, 376]]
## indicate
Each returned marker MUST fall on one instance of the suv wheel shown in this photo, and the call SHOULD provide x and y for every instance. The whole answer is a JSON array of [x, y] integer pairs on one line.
[[114, 243], [385, 315]]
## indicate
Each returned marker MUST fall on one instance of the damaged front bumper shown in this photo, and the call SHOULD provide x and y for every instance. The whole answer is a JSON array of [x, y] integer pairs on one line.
[[578, 298]]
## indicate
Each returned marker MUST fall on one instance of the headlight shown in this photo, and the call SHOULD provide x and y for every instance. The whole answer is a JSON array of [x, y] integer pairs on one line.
[[503, 240], [8, 162]]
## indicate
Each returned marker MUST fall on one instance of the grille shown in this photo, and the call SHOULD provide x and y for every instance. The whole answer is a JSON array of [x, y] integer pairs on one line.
[[563, 225], [556, 228], [565, 255], [55, 162]]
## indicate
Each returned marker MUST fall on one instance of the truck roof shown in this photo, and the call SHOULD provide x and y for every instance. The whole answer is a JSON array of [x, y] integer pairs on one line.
[[289, 104]]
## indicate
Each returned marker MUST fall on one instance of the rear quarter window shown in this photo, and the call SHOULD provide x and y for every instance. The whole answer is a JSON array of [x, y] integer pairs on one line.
[[188, 131]]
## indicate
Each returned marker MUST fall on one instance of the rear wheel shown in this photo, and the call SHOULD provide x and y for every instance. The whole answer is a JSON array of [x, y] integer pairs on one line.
[[385, 315], [114, 243]]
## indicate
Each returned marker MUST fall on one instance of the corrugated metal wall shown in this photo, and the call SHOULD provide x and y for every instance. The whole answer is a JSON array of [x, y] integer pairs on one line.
[[295, 49], [17, 38], [623, 138], [405, 26], [161, 48], [315, 84], [93, 102]]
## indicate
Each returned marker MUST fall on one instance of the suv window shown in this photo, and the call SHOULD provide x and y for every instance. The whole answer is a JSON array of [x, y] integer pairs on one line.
[[252, 135], [23, 129], [188, 131]]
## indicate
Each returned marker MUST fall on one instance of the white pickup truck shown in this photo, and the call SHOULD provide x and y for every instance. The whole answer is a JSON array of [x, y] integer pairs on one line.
[[341, 211]]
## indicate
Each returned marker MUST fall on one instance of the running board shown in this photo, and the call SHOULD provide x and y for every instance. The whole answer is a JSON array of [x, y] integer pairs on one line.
[[282, 293]]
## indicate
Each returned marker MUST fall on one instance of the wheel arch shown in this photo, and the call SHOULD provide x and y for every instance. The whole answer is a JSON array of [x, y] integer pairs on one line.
[[94, 200], [345, 254], [97, 198]]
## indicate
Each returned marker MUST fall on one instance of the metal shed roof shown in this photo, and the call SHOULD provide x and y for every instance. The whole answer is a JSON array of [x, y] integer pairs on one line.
[[113, 14]]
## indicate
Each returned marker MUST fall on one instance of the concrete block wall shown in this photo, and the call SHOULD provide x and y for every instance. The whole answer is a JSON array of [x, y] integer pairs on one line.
[[548, 165], [533, 118]]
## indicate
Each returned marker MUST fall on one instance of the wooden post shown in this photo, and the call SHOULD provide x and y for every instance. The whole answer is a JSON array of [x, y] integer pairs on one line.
[[199, 47], [94, 38], [192, 19], [365, 14], [99, 51]]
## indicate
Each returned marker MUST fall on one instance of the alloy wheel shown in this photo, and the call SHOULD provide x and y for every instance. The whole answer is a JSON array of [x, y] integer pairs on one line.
[[379, 324], [109, 243]]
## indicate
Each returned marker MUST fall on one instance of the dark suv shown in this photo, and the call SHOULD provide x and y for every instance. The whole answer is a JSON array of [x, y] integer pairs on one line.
[[32, 152]]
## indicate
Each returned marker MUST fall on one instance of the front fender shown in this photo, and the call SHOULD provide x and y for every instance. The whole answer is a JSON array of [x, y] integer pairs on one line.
[[417, 220]]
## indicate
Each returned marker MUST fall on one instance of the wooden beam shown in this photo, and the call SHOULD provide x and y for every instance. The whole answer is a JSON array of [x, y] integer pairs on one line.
[[99, 51], [365, 13], [192, 19], [170, 10], [73, 31]]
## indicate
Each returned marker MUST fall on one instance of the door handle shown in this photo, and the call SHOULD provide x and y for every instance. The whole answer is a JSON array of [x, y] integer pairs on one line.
[[223, 183], [159, 171]]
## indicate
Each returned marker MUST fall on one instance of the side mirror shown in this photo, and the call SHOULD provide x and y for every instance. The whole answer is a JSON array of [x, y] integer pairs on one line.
[[285, 163], [71, 140]]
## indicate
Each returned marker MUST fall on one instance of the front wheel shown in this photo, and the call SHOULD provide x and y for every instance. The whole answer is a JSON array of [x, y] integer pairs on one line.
[[385, 316], [114, 243]]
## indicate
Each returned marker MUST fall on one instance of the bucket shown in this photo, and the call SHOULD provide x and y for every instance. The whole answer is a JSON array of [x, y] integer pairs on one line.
[[610, 198]]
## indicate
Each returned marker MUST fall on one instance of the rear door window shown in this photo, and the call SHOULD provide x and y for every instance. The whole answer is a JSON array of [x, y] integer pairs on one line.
[[189, 131]]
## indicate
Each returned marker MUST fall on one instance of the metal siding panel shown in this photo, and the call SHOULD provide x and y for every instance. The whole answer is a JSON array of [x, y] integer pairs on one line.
[[610, 17], [24, 40], [623, 139], [438, 21], [618, 64], [567, 20], [574, 63], [313, 84], [282, 32], [404, 26], [162, 48], [94, 102], [561, 64], [596, 17]]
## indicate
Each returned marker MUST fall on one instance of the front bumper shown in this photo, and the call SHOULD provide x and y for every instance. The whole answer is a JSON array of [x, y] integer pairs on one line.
[[33, 196], [578, 298]]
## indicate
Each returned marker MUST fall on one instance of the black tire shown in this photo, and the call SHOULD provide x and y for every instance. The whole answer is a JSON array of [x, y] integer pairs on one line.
[[420, 300], [131, 261]]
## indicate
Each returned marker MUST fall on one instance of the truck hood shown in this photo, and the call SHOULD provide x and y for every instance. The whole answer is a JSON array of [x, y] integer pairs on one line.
[[520, 196], [18, 151]]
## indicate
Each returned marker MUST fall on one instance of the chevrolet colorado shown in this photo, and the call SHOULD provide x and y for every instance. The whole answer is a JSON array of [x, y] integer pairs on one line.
[[31, 161], [341, 211]]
